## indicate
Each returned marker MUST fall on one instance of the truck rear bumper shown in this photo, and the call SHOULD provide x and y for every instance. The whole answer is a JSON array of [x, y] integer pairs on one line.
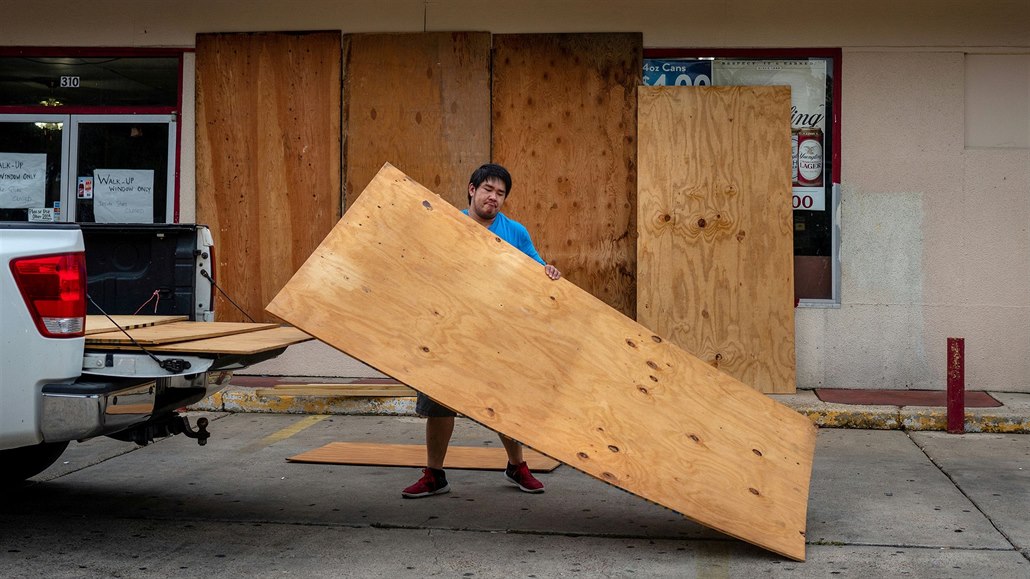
[[94, 406]]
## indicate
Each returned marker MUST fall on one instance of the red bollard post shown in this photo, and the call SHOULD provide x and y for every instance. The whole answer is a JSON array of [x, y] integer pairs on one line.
[[956, 385]]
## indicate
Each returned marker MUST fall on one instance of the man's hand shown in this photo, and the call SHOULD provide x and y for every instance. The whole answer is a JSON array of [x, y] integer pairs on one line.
[[552, 272]]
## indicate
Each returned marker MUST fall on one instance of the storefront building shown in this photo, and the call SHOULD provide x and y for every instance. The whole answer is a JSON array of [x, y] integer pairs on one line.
[[910, 219]]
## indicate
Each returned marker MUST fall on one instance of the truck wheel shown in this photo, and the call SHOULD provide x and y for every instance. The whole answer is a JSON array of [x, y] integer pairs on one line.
[[27, 461]]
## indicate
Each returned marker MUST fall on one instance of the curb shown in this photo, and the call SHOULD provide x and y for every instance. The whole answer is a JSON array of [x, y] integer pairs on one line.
[[1013, 417]]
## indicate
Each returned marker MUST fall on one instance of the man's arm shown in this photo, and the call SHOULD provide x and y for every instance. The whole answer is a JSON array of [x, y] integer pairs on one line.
[[527, 247]]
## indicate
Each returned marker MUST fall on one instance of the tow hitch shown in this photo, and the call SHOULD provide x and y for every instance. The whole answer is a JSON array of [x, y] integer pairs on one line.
[[201, 433], [164, 427]]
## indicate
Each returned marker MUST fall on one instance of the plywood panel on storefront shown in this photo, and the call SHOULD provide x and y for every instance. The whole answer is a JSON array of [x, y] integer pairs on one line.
[[714, 265], [485, 332], [268, 156], [564, 124], [420, 101]]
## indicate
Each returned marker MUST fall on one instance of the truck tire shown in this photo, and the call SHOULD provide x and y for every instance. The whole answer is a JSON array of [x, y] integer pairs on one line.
[[27, 461]]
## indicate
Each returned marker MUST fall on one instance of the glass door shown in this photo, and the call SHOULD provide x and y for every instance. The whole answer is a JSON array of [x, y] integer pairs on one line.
[[123, 167], [87, 168], [33, 168]]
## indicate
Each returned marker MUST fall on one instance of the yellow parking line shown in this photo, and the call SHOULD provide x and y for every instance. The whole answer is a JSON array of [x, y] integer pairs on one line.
[[287, 432]]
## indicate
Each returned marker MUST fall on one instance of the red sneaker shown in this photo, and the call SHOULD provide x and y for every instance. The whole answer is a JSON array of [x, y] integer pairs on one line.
[[522, 478], [426, 486]]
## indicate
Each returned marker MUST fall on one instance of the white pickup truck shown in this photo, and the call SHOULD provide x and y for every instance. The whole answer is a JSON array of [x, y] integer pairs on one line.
[[53, 389]]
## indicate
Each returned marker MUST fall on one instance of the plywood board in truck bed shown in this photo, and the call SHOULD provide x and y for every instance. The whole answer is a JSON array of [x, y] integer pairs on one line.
[[97, 324], [251, 342], [176, 332], [410, 285]]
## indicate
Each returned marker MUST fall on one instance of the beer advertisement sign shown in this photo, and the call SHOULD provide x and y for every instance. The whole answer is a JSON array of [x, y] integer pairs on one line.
[[808, 111], [807, 81]]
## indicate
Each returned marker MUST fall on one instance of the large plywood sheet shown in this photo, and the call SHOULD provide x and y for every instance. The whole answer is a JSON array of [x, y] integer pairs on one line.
[[564, 123], [268, 156], [409, 285], [714, 265], [420, 101]]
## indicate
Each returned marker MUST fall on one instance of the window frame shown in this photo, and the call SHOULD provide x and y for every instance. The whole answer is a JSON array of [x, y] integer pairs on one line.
[[835, 55]]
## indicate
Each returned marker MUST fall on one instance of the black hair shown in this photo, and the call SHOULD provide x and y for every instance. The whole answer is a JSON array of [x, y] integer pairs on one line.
[[490, 171]]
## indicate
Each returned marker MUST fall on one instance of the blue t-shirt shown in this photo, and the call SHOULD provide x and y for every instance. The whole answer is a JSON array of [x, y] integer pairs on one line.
[[514, 233]]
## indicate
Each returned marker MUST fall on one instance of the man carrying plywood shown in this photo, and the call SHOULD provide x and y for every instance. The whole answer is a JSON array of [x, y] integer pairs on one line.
[[489, 186]]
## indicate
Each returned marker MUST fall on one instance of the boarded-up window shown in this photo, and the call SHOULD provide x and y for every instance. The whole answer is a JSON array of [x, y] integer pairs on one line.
[[268, 156], [564, 124], [420, 102]]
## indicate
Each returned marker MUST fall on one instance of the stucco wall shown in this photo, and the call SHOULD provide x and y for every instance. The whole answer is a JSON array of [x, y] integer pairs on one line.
[[665, 23], [935, 238]]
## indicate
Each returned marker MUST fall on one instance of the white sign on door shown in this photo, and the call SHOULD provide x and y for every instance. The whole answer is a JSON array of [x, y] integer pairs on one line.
[[22, 180], [123, 195]]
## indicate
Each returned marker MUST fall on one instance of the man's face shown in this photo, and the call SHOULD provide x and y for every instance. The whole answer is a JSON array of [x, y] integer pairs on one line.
[[487, 199]]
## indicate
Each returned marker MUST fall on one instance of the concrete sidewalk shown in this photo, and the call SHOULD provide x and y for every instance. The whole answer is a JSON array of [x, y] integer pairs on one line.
[[882, 503], [256, 394]]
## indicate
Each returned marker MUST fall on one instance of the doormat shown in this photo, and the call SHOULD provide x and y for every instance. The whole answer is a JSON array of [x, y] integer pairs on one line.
[[459, 457], [974, 399]]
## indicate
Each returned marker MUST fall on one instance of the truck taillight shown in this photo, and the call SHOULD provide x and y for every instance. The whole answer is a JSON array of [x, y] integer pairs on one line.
[[54, 289]]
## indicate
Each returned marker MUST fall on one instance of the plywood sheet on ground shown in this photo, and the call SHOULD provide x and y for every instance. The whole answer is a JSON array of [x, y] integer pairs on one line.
[[485, 332], [246, 343], [564, 124], [714, 261], [175, 332], [268, 156], [420, 101], [97, 324], [372, 454]]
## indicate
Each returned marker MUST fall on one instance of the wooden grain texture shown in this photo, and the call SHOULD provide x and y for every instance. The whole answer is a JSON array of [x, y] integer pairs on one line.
[[564, 124], [97, 324], [715, 252], [483, 331], [460, 457], [341, 390], [420, 101], [242, 344], [268, 156], [175, 332]]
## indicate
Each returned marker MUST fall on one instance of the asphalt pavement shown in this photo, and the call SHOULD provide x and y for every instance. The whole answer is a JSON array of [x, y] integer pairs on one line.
[[883, 503]]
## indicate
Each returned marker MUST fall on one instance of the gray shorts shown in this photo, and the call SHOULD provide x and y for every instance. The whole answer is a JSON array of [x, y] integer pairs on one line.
[[429, 408]]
